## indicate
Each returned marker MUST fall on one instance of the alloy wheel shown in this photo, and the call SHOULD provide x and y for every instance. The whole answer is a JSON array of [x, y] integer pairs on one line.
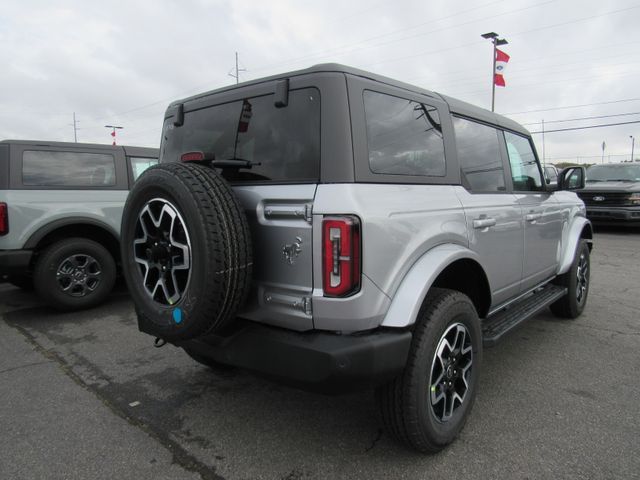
[[450, 372], [162, 251]]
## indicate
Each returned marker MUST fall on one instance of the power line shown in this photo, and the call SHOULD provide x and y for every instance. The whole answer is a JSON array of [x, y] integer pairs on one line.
[[587, 127], [582, 118], [343, 47], [574, 106]]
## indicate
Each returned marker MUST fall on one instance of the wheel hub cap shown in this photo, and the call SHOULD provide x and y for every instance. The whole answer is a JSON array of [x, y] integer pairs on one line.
[[79, 275], [162, 251], [450, 372]]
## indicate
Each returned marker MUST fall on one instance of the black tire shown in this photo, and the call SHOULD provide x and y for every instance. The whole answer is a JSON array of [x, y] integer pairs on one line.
[[577, 282], [406, 404], [24, 282], [210, 229], [74, 273], [208, 362]]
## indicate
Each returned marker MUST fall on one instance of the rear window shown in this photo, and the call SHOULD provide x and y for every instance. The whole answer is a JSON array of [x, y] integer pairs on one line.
[[68, 169], [284, 143]]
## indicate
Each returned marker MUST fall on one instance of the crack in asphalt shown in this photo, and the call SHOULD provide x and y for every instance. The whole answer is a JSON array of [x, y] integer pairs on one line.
[[179, 455], [27, 365]]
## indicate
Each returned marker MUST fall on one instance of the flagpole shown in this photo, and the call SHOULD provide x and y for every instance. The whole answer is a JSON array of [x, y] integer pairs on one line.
[[493, 36], [493, 76]]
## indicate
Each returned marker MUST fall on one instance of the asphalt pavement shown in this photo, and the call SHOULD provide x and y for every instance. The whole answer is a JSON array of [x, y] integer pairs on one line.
[[86, 396]]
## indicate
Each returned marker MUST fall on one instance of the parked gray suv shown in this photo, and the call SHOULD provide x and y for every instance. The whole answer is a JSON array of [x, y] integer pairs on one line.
[[60, 211], [338, 230]]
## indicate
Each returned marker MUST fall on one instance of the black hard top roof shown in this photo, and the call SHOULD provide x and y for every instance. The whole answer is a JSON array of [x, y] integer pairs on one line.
[[129, 150], [456, 106]]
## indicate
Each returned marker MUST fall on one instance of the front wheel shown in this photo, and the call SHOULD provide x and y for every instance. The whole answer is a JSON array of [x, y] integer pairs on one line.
[[75, 273], [428, 404], [577, 282]]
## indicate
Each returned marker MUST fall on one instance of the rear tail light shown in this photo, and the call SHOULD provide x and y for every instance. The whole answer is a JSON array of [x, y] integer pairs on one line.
[[340, 256], [192, 157], [4, 219]]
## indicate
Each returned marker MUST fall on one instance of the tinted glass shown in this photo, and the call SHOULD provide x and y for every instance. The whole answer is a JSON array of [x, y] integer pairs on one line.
[[140, 164], [404, 137], [68, 169], [284, 141], [608, 173], [524, 166], [479, 156]]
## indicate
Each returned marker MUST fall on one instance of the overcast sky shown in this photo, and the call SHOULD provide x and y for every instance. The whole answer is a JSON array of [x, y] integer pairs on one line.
[[122, 62]]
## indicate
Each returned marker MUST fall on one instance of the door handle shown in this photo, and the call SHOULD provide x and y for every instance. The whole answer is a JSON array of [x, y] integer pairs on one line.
[[532, 217], [484, 222]]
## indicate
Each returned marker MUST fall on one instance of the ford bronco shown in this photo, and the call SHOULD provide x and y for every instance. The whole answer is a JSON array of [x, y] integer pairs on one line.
[[337, 230]]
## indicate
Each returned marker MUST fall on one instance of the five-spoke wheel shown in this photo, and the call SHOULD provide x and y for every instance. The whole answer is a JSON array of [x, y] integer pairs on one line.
[[450, 371], [162, 250]]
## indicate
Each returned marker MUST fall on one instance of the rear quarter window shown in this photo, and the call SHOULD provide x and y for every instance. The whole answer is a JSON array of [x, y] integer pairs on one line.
[[404, 137], [283, 143], [68, 169]]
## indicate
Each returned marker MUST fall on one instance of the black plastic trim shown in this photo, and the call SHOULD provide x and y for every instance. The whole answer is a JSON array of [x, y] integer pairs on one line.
[[42, 232], [316, 361], [13, 262]]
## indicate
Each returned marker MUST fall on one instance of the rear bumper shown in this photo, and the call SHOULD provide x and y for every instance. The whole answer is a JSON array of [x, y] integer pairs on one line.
[[14, 262], [611, 215], [317, 361]]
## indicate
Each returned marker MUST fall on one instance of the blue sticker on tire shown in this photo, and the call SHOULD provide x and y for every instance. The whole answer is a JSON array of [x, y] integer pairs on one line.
[[177, 316]]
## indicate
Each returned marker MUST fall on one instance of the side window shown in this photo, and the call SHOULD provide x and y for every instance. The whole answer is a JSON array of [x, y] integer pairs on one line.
[[524, 166], [68, 169], [140, 164], [479, 156], [404, 137]]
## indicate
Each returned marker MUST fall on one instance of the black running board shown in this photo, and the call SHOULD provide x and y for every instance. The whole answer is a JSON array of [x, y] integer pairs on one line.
[[503, 321]]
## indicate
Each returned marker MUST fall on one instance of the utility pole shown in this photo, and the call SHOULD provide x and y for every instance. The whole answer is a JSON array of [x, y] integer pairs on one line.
[[543, 156], [493, 36], [75, 128], [633, 142], [603, 147], [237, 70], [113, 131]]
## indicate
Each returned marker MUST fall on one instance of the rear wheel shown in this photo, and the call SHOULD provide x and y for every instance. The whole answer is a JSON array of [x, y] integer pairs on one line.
[[577, 282], [74, 273], [428, 404]]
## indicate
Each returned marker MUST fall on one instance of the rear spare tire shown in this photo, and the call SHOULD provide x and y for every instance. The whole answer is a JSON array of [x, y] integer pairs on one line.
[[186, 251]]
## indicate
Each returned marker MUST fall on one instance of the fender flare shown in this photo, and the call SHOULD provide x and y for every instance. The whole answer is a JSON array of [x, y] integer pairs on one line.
[[409, 296], [42, 232], [573, 238]]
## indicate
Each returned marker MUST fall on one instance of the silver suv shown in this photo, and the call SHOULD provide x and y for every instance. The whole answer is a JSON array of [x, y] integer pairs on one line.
[[337, 230], [60, 211]]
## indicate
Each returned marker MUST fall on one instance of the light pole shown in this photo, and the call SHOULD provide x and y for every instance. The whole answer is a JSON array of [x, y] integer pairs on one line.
[[113, 132], [633, 142], [493, 36]]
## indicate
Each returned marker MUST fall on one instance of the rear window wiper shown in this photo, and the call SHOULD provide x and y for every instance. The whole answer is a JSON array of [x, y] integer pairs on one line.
[[234, 163], [620, 180]]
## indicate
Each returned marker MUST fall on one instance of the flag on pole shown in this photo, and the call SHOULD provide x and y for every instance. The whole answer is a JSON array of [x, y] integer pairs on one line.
[[501, 63]]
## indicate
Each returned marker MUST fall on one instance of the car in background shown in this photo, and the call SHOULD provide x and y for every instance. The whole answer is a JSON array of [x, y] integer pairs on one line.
[[612, 194], [60, 211]]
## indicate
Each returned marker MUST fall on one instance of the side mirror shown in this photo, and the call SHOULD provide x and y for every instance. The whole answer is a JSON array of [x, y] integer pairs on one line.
[[572, 178]]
